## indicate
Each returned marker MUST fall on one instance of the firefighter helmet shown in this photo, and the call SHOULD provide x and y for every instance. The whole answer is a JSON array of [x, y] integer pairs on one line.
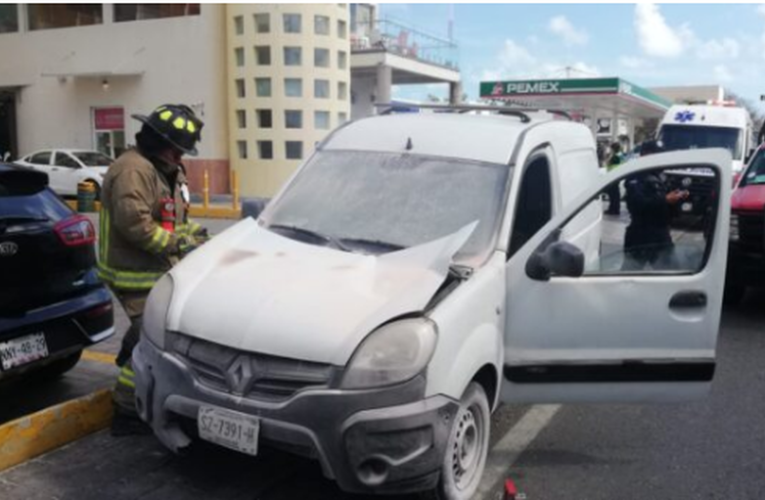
[[177, 124]]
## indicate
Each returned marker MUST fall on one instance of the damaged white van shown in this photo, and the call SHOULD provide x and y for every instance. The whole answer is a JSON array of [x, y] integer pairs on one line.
[[416, 272]]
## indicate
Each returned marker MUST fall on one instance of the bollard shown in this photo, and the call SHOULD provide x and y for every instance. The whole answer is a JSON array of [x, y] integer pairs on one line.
[[235, 190], [206, 191], [86, 197]]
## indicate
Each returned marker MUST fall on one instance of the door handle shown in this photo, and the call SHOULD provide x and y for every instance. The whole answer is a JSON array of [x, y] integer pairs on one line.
[[682, 300]]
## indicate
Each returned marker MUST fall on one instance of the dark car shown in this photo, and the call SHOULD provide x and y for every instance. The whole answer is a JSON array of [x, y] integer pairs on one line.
[[52, 304]]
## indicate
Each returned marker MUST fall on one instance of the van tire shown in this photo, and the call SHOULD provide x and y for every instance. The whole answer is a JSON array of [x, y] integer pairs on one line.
[[466, 448]]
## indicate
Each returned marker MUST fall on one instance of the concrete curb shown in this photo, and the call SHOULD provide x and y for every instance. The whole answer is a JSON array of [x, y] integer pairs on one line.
[[48, 429]]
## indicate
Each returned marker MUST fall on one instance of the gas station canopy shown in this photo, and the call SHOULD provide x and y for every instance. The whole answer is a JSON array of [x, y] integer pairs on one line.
[[595, 97]]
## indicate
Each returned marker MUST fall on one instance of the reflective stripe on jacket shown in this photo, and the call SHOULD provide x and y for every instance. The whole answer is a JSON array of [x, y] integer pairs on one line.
[[134, 249]]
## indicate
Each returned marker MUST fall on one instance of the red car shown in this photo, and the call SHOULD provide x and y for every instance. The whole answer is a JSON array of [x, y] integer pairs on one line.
[[746, 255]]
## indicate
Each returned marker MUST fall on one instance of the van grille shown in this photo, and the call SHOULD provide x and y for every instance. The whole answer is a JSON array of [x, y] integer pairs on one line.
[[247, 374]]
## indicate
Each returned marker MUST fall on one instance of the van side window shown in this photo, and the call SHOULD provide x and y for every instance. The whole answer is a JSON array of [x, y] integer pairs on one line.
[[534, 204]]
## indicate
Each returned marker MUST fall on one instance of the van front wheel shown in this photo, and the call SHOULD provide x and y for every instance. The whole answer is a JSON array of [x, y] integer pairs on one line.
[[467, 447]]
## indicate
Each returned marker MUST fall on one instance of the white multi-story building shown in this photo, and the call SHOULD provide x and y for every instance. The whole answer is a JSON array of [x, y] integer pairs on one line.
[[268, 80]]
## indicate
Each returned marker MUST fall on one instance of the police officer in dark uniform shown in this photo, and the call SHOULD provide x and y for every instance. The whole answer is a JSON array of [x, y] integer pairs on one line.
[[647, 240]]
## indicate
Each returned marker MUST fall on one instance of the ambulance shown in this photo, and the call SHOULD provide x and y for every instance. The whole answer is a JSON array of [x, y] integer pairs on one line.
[[716, 124]]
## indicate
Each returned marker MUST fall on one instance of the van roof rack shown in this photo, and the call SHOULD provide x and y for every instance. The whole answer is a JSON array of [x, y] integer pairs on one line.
[[521, 113]]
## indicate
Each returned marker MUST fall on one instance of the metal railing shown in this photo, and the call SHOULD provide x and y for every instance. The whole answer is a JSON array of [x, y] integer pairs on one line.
[[397, 38]]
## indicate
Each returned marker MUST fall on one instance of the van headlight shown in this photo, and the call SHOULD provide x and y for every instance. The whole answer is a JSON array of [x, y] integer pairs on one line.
[[155, 313], [391, 354], [733, 235]]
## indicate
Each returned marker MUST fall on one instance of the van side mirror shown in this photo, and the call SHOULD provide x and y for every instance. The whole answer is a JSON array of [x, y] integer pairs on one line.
[[559, 259]]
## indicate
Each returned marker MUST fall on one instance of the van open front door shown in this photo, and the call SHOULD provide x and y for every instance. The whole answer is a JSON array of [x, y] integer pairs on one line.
[[621, 308]]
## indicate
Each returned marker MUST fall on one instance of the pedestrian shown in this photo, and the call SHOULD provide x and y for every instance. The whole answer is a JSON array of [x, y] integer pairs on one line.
[[613, 192], [647, 239], [145, 230]]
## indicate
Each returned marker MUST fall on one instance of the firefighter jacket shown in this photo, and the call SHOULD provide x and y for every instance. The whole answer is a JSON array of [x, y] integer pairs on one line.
[[134, 249]]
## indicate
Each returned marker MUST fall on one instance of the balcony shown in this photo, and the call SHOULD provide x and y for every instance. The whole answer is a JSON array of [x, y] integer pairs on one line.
[[396, 38]]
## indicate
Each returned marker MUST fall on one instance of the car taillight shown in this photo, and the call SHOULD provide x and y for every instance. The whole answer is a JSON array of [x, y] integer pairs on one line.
[[75, 231]]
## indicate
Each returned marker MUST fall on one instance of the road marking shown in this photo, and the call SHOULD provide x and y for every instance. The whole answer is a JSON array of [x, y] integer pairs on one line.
[[99, 357], [48, 429], [509, 448]]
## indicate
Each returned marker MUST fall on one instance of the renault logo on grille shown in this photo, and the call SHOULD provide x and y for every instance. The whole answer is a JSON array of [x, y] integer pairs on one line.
[[240, 375], [8, 249]]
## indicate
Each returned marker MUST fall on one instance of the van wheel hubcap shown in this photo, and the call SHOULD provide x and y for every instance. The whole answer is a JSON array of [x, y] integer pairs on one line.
[[466, 451]]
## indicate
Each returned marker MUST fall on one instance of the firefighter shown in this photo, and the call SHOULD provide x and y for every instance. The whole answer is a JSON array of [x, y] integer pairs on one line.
[[145, 229]]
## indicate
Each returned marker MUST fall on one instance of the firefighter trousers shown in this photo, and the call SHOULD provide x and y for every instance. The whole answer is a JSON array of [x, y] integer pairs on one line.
[[124, 390]]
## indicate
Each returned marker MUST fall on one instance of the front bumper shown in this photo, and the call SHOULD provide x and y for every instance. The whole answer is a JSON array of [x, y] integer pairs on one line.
[[387, 440]]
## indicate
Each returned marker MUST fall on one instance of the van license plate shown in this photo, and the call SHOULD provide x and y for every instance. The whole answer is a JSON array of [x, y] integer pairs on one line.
[[687, 207], [231, 429], [23, 350]]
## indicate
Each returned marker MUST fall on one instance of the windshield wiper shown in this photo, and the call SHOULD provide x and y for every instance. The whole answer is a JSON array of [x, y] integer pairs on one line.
[[312, 234], [374, 243]]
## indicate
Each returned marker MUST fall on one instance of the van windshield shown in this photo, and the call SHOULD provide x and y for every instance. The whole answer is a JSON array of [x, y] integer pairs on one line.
[[681, 137], [374, 202]]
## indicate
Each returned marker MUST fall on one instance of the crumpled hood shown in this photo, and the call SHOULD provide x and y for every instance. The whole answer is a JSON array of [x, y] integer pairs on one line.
[[255, 290]]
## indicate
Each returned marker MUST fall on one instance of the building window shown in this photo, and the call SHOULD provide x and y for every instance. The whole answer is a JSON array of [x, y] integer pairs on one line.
[[294, 150], [265, 118], [265, 150], [342, 29], [139, 11], [61, 15], [293, 118], [321, 58], [292, 56], [342, 59], [263, 55], [321, 25], [342, 91], [241, 118], [293, 87], [342, 118], [240, 91], [239, 56], [9, 18], [262, 23], [239, 25], [321, 120], [242, 147], [263, 87], [292, 23], [321, 89]]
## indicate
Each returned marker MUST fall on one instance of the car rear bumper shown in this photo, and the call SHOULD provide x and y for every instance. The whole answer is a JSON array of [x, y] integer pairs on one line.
[[387, 440], [68, 326]]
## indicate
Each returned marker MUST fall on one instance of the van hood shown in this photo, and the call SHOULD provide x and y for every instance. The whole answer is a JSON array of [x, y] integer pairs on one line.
[[257, 291]]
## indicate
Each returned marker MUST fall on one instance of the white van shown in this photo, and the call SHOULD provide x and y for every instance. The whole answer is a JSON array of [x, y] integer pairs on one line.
[[417, 271], [697, 126]]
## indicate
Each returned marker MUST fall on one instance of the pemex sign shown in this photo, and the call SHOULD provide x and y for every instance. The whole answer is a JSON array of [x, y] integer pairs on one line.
[[515, 88]]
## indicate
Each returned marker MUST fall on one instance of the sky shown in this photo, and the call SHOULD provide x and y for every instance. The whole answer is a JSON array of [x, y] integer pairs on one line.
[[647, 44]]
